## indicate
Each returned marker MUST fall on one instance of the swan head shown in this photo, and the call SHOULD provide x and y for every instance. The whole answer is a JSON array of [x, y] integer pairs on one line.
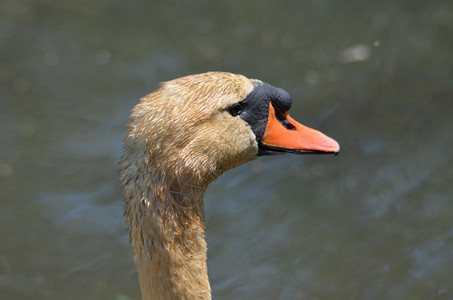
[[196, 127]]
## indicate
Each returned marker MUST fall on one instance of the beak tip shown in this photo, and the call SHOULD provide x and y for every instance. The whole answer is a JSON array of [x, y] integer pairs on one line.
[[336, 148], [332, 146]]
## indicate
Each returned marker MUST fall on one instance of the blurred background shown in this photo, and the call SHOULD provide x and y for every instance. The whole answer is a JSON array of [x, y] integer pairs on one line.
[[375, 222]]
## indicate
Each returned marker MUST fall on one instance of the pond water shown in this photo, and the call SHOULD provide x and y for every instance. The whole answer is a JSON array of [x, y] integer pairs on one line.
[[374, 222]]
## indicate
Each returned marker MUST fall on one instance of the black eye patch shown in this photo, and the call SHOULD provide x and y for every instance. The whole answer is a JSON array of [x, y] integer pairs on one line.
[[255, 107]]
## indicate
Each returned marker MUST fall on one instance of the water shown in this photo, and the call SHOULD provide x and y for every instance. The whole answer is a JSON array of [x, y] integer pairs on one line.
[[372, 223]]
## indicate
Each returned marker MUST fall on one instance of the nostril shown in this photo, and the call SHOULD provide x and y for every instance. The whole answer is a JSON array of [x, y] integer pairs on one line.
[[288, 125]]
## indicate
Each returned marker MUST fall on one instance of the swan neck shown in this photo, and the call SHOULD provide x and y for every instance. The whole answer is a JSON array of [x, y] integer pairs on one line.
[[166, 225]]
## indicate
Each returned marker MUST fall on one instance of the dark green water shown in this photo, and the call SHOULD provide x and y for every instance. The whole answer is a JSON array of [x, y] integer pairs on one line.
[[375, 222]]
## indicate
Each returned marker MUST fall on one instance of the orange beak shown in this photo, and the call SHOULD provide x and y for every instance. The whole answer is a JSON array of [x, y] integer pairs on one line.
[[288, 134]]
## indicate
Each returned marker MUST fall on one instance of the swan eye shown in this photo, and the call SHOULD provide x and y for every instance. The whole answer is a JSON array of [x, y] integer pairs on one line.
[[235, 110]]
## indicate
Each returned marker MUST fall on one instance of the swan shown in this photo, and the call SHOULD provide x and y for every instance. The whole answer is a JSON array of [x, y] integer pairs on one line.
[[181, 137]]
